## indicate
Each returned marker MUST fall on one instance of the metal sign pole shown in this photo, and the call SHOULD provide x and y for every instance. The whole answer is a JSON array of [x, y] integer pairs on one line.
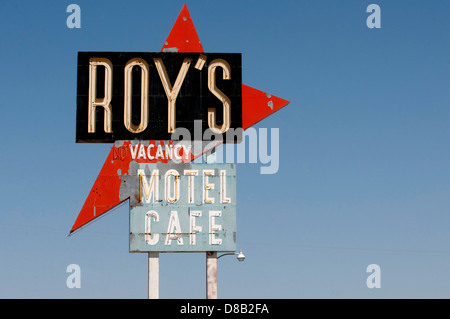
[[211, 256], [211, 275], [153, 275]]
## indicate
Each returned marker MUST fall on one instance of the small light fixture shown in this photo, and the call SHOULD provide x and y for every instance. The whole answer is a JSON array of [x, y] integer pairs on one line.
[[240, 256]]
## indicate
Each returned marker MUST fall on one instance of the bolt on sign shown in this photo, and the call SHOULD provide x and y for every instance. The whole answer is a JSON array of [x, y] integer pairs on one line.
[[147, 96], [184, 208]]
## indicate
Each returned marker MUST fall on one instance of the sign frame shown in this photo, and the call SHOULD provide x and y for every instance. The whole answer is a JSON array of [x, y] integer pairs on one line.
[[201, 216], [149, 95]]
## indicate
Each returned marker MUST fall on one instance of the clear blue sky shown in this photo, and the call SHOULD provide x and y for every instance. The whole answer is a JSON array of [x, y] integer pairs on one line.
[[364, 150]]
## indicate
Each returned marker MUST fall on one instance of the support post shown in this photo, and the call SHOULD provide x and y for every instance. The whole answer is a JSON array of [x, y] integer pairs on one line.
[[153, 275], [211, 275]]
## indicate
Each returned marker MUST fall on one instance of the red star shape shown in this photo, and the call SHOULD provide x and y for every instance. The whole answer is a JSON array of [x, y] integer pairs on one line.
[[105, 193]]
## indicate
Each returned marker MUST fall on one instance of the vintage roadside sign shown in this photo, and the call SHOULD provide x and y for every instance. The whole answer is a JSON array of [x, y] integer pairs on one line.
[[139, 101], [184, 208], [109, 189]]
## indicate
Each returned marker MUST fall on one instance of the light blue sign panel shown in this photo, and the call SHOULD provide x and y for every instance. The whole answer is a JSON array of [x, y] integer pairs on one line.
[[183, 208]]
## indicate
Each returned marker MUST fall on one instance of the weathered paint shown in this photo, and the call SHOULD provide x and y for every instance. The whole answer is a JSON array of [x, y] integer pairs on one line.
[[114, 182], [211, 275], [194, 209], [153, 275], [183, 36], [257, 105]]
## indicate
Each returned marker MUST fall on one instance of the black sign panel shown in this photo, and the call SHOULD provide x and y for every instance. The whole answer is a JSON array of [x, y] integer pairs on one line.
[[193, 86]]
